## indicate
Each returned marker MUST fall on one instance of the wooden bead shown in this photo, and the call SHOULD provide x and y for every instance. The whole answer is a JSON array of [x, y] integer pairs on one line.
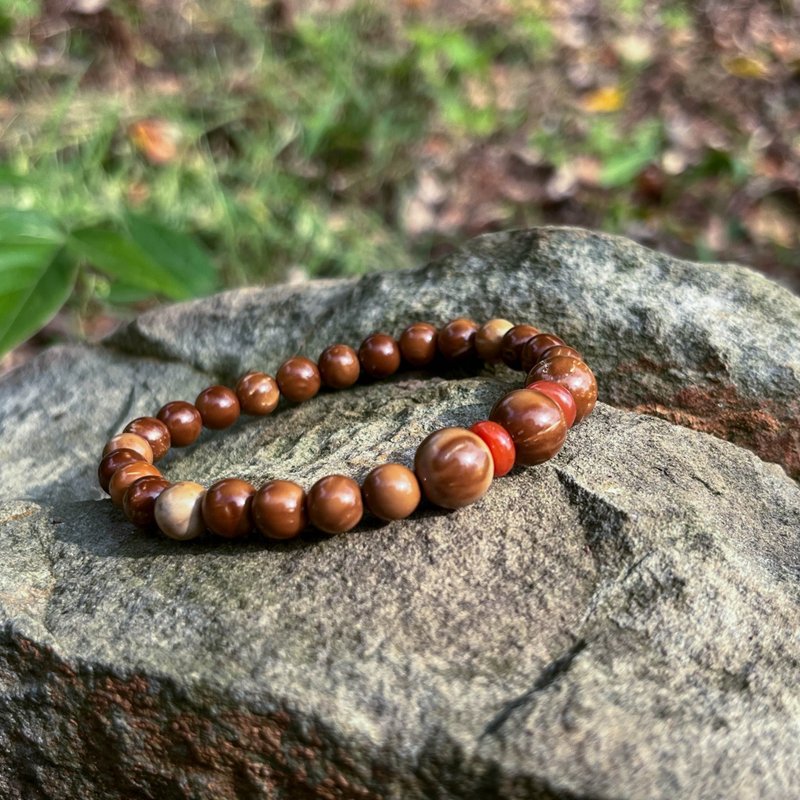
[[182, 420], [226, 508], [218, 406], [156, 433], [454, 467], [456, 340], [139, 500], [560, 350], [573, 374], [258, 393], [113, 461], [533, 350], [339, 367], [535, 423], [391, 491], [500, 445], [489, 339], [298, 379], [418, 344], [334, 504], [130, 441], [178, 511], [379, 355], [279, 509], [125, 476], [513, 342], [562, 396]]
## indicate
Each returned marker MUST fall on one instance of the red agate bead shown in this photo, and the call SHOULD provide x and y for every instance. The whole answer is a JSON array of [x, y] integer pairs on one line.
[[500, 445], [562, 396]]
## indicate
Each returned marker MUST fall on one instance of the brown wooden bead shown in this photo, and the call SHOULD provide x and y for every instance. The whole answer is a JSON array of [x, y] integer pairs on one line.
[[218, 406], [279, 509], [258, 393], [334, 504], [535, 423], [560, 350], [534, 349], [178, 511], [139, 500], [513, 342], [456, 340], [489, 339], [125, 476], [418, 344], [113, 461], [156, 433], [573, 374], [183, 421], [130, 441], [454, 467], [298, 379], [339, 367], [379, 355], [226, 508], [391, 491]]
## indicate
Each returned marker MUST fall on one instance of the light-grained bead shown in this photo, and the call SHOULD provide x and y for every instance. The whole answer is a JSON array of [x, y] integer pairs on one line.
[[130, 441], [489, 339], [178, 511], [391, 491]]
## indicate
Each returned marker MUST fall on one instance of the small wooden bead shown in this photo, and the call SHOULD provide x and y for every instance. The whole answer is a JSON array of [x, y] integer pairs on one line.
[[418, 344], [500, 444], [391, 491], [560, 350], [454, 467], [489, 339], [178, 511], [218, 406], [139, 500], [535, 423], [533, 350], [339, 367], [125, 476], [562, 396], [456, 340], [298, 379], [573, 374], [334, 504], [130, 441], [258, 393], [513, 342], [113, 461], [379, 355], [226, 508], [156, 433], [279, 509], [183, 421]]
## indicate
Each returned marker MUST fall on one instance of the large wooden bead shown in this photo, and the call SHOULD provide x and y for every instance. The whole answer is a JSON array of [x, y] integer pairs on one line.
[[456, 340], [573, 374], [338, 366], [534, 349], [334, 504], [391, 491], [218, 406], [489, 339], [279, 509], [513, 342], [298, 379], [418, 344], [130, 441], [535, 422], [125, 476], [226, 508], [113, 461], [560, 350], [156, 433], [454, 467], [379, 355], [258, 393], [178, 511], [562, 396], [139, 500], [182, 420]]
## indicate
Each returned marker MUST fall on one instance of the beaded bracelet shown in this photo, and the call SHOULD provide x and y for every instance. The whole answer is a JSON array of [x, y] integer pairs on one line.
[[453, 467]]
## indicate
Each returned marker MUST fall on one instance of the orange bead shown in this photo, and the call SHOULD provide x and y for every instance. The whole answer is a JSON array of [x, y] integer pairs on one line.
[[500, 444]]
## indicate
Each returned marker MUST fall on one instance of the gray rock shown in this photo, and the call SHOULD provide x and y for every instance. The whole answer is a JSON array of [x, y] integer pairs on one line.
[[620, 622]]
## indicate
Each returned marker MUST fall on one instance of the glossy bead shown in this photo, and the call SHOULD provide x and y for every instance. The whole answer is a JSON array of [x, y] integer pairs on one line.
[[391, 491], [560, 350], [139, 500], [226, 508], [513, 342], [156, 433], [456, 340], [573, 374], [125, 476], [338, 366], [183, 421], [178, 511], [454, 467], [500, 445], [298, 379], [418, 344], [561, 395], [533, 350], [489, 339], [535, 423], [279, 509], [334, 504], [113, 461], [218, 406], [379, 355], [258, 393], [130, 441]]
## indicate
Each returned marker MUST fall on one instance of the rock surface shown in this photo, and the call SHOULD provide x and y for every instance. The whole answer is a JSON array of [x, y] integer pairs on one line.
[[620, 622]]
